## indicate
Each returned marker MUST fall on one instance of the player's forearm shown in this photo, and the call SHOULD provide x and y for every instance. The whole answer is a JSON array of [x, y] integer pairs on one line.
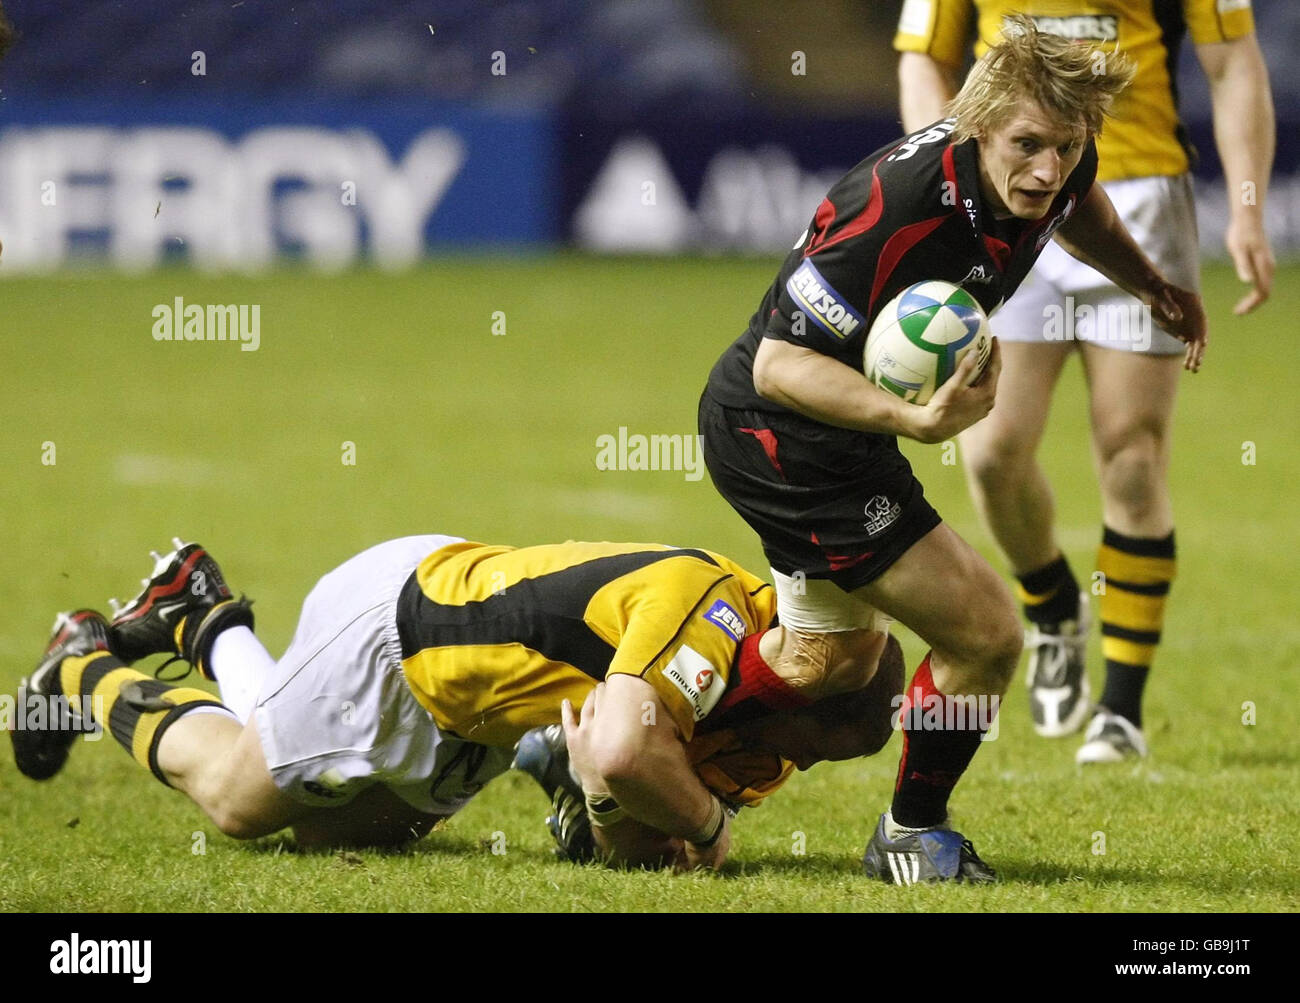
[[656, 785], [1096, 235], [1245, 129], [638, 757], [828, 391], [925, 86]]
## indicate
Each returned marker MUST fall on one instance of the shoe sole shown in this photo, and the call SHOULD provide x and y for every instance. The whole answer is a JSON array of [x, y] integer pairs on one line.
[[1102, 752]]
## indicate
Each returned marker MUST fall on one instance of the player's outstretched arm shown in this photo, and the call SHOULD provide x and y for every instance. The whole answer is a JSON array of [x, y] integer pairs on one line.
[[1245, 132], [1096, 235], [625, 744]]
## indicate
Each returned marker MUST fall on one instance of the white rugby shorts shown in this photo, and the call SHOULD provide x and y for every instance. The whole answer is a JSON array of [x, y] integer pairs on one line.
[[336, 715]]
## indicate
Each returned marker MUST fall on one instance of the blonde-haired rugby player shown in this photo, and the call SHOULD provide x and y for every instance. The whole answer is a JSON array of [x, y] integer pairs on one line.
[[804, 447], [1131, 370], [415, 669]]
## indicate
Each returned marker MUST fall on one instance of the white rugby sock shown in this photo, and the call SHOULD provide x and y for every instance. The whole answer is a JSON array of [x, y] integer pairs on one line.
[[240, 664]]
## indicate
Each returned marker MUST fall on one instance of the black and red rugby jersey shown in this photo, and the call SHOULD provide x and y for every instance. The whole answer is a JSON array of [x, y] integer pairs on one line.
[[911, 211]]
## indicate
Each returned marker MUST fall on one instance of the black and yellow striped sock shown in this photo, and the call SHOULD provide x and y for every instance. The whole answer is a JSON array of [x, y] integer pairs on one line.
[[135, 709], [1050, 594], [1138, 572]]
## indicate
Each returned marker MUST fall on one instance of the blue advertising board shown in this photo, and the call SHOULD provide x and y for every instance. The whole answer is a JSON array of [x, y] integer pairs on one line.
[[231, 184]]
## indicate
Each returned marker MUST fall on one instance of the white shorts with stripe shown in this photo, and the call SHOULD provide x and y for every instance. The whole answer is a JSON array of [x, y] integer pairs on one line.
[[1161, 215], [336, 715]]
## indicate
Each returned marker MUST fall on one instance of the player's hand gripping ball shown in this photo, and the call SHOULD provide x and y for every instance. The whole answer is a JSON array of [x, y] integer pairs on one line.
[[920, 336]]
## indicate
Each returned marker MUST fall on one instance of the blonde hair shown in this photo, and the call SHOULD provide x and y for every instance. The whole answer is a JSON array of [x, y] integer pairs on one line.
[[1073, 81]]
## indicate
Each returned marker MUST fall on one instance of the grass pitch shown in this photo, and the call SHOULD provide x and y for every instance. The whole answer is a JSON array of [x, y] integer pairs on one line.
[[493, 436]]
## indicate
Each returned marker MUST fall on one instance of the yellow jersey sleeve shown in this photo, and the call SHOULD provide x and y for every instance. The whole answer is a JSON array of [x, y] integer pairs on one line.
[[1218, 20], [684, 645], [939, 28]]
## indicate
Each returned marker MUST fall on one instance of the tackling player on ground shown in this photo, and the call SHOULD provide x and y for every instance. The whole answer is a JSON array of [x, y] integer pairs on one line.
[[1144, 157], [803, 445], [742, 763], [415, 669]]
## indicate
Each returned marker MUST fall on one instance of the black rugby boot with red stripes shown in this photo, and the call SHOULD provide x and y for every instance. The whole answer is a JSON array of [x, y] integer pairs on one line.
[[41, 744], [179, 611]]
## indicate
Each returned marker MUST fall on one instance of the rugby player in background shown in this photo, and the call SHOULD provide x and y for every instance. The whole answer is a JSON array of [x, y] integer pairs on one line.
[[415, 669], [1143, 162], [803, 446]]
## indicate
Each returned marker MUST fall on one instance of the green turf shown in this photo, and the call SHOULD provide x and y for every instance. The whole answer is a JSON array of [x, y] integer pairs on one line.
[[494, 437]]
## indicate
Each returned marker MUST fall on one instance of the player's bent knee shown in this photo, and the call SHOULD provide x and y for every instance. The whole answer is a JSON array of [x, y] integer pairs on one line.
[[990, 464], [1134, 478], [1008, 636], [242, 800], [996, 459], [1004, 641], [236, 823], [987, 647]]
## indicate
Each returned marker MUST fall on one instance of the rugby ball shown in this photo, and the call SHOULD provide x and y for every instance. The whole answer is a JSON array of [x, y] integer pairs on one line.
[[920, 336]]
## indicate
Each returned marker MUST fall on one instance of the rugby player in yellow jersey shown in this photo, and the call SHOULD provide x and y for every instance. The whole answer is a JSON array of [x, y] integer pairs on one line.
[[417, 666], [1131, 367], [743, 758]]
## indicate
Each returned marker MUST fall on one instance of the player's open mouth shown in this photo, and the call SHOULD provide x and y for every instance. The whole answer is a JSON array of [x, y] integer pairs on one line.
[[1035, 195]]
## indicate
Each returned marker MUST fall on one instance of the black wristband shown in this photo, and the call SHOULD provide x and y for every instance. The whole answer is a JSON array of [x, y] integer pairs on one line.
[[717, 826]]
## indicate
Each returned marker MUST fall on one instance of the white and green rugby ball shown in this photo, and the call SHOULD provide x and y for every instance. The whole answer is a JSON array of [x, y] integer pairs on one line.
[[920, 336]]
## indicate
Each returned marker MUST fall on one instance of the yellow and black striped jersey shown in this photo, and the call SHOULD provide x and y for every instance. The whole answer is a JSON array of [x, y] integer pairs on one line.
[[494, 638], [1143, 137]]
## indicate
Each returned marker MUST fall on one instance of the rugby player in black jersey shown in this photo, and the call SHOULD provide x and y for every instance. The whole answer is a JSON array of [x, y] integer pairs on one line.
[[1131, 372], [804, 447]]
